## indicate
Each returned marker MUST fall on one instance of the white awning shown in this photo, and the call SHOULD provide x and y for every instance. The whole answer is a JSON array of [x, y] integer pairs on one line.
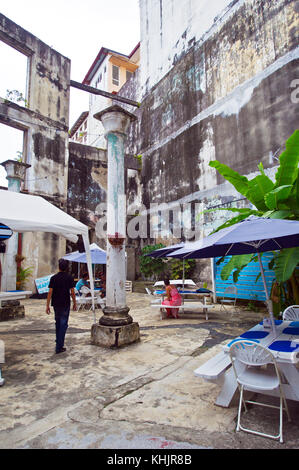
[[26, 213]]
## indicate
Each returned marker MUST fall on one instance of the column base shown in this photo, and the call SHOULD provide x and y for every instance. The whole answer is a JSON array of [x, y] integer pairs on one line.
[[115, 336], [115, 316], [11, 310]]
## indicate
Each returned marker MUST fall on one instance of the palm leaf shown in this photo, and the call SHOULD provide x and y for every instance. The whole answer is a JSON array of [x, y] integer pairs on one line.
[[285, 263], [233, 221], [275, 197], [238, 181], [289, 159], [293, 200], [258, 187], [282, 214], [238, 263]]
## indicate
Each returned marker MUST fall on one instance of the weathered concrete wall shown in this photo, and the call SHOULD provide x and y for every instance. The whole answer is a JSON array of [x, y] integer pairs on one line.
[[87, 193], [227, 98], [87, 182], [48, 72], [44, 120], [170, 28]]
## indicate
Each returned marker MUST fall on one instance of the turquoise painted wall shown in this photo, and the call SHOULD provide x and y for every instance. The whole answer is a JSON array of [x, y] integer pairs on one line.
[[246, 285]]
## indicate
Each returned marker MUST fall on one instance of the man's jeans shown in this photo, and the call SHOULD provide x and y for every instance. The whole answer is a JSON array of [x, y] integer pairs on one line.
[[61, 320]]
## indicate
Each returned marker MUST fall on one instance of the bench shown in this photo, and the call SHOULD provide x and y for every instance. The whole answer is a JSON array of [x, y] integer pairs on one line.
[[187, 306], [213, 369], [14, 295]]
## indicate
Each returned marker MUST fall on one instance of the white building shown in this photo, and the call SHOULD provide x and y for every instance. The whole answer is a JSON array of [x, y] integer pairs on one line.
[[109, 72]]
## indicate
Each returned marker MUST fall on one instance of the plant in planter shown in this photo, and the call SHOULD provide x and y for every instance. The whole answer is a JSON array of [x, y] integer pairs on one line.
[[22, 276]]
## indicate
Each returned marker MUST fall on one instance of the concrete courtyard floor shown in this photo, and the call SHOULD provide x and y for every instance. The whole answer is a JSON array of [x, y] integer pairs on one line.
[[143, 396]]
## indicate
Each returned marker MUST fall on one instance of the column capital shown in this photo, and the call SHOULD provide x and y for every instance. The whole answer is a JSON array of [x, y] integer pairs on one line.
[[15, 169], [115, 119]]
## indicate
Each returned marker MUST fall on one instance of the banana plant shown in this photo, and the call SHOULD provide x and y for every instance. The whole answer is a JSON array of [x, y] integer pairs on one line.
[[277, 199]]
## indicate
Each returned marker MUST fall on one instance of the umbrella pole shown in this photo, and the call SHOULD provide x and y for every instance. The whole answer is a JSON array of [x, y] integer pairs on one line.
[[268, 300]]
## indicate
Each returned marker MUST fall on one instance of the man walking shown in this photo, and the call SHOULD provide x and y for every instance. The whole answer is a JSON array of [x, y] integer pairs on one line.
[[60, 287]]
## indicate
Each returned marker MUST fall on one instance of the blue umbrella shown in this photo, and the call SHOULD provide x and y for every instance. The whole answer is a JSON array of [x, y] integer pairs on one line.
[[167, 250], [252, 235], [162, 252], [98, 256]]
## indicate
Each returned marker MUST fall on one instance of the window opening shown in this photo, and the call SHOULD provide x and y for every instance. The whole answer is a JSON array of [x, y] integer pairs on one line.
[[115, 75], [13, 78], [128, 75], [11, 148]]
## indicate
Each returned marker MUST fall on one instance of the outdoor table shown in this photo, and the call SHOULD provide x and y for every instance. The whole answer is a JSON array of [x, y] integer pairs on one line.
[[283, 344], [186, 282], [184, 293]]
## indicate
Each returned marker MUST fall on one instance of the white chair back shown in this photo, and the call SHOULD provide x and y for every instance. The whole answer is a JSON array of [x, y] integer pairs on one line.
[[291, 313], [148, 291], [250, 353], [231, 291]]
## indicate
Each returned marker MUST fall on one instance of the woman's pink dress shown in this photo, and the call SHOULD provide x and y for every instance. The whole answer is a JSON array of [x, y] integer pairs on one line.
[[176, 299]]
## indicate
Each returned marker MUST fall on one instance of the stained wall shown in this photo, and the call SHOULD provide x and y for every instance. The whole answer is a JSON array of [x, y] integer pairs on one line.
[[227, 93], [44, 120]]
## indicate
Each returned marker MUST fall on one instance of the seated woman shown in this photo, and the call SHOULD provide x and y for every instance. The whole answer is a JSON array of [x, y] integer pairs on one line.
[[82, 282], [173, 298]]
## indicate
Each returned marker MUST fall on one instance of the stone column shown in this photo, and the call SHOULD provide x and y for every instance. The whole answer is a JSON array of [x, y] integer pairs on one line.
[[116, 327], [15, 175]]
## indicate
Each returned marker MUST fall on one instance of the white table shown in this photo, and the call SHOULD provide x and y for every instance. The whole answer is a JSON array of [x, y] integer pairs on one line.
[[194, 294], [14, 295], [288, 363], [186, 282]]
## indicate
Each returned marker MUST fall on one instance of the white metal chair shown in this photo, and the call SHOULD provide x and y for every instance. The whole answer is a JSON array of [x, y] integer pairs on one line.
[[154, 300], [82, 300], [256, 370], [129, 286], [232, 292], [100, 301], [291, 313]]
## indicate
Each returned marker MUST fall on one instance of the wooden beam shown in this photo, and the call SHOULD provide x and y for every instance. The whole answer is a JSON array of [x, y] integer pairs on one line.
[[95, 91]]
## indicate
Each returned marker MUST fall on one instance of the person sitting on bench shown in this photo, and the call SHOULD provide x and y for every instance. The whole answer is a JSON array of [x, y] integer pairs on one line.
[[173, 298]]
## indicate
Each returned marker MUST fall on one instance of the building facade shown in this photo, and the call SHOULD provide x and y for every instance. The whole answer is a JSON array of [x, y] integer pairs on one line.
[[216, 82], [109, 72]]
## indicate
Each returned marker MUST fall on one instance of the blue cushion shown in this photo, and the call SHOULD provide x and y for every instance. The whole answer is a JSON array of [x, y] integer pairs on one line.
[[254, 334], [294, 323], [277, 322], [283, 346], [238, 339], [202, 290], [291, 331]]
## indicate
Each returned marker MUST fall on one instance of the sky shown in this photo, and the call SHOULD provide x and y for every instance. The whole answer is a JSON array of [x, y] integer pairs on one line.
[[76, 30]]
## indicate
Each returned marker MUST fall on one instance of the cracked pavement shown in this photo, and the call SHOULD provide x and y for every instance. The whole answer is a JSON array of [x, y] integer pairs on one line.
[[142, 396]]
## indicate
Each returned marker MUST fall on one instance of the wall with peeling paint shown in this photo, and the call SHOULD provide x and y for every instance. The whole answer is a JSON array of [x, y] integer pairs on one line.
[[218, 85], [44, 120], [87, 182]]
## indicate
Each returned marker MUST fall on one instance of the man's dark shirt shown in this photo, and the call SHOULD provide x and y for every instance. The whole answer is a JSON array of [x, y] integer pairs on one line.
[[61, 283]]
